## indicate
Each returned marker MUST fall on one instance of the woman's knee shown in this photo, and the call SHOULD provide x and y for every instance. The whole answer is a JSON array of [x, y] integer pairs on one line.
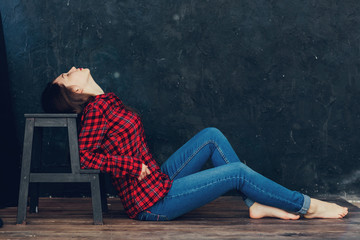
[[212, 133]]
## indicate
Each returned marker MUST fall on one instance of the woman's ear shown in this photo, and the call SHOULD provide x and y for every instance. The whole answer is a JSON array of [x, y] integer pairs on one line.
[[76, 89]]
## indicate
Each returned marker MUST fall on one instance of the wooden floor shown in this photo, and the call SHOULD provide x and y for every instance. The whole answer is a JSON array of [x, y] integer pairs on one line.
[[225, 218]]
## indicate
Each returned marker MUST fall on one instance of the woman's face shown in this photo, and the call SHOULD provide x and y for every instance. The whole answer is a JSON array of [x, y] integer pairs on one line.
[[75, 79]]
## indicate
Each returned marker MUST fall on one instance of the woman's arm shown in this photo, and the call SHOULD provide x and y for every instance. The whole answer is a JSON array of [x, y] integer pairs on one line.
[[91, 136]]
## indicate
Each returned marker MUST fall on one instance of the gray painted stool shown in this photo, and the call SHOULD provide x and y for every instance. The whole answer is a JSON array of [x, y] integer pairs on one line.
[[32, 126]]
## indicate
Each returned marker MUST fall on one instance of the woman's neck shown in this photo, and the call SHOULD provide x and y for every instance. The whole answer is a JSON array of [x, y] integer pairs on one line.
[[93, 88]]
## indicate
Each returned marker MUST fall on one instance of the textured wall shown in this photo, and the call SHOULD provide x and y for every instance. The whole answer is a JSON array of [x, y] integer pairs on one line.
[[9, 144], [279, 78]]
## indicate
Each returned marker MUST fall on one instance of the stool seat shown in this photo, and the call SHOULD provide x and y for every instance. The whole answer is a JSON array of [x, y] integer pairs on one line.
[[34, 122]]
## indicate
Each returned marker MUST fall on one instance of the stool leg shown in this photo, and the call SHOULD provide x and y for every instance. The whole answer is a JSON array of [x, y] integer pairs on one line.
[[36, 165], [96, 199], [104, 205], [25, 171], [73, 146]]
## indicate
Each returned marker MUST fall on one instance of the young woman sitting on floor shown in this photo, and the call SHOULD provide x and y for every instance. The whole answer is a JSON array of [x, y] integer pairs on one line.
[[112, 140]]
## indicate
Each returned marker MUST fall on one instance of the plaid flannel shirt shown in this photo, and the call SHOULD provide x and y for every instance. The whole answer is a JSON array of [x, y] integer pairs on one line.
[[112, 140]]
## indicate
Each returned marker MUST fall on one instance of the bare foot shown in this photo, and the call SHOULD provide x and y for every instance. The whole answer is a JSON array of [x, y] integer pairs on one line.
[[258, 210], [321, 209]]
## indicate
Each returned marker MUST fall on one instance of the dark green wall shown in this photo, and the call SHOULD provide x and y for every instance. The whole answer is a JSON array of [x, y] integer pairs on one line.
[[279, 78]]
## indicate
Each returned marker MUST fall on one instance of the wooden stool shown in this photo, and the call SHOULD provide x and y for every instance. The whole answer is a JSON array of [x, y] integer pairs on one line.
[[33, 123]]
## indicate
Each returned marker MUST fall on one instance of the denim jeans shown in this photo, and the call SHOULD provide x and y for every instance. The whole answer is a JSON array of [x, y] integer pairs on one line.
[[193, 188]]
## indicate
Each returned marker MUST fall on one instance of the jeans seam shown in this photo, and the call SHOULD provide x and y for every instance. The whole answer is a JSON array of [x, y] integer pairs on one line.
[[221, 153], [271, 196], [196, 152], [188, 160]]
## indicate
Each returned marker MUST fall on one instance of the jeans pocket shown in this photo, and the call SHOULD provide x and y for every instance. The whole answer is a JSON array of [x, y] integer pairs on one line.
[[149, 216]]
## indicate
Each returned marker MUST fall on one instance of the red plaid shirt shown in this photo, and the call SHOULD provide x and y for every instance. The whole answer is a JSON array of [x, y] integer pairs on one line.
[[112, 140]]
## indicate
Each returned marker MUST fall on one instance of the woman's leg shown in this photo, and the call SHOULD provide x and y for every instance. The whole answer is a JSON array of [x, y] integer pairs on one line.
[[195, 190], [210, 143]]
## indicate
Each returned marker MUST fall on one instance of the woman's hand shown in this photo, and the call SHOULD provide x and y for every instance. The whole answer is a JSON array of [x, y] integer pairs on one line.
[[144, 172]]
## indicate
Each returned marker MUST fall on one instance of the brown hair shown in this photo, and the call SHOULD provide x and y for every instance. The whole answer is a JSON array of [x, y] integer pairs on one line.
[[56, 98]]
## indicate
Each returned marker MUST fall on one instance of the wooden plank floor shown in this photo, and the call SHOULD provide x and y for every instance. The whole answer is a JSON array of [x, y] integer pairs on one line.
[[224, 218]]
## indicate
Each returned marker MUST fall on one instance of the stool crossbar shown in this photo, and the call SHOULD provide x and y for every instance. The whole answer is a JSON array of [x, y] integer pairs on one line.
[[33, 122]]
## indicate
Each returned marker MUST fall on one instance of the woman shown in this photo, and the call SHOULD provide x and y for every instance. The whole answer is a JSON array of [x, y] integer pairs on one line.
[[112, 140]]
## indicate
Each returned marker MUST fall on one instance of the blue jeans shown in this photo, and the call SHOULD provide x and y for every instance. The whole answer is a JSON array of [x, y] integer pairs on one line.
[[193, 188]]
